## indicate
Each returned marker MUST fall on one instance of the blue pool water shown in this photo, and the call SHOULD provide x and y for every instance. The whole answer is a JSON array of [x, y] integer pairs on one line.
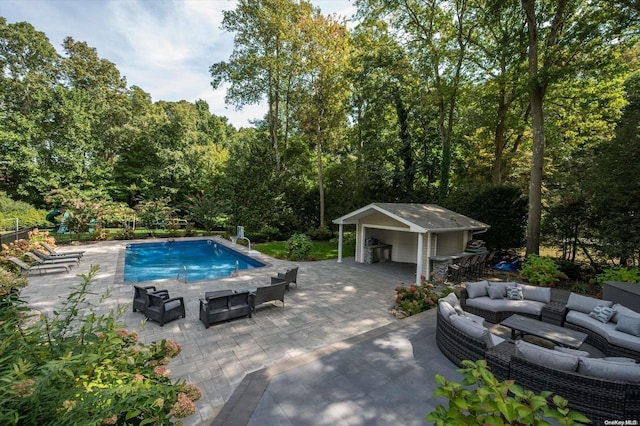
[[203, 260]]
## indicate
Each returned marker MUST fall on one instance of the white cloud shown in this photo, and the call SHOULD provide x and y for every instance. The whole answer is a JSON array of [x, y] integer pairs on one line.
[[163, 46]]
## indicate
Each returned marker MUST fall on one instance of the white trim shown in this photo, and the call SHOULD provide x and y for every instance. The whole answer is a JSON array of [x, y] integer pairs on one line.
[[419, 257], [428, 274], [340, 230], [387, 227]]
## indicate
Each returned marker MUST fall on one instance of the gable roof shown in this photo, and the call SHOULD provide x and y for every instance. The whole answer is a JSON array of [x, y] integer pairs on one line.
[[418, 217]]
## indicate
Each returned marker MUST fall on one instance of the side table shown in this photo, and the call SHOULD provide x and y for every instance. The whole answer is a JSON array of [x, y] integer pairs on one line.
[[499, 357], [553, 312]]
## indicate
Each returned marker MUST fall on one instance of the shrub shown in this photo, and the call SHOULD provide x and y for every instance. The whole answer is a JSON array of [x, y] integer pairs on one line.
[[9, 282], [540, 270], [415, 298], [482, 400], [619, 273], [79, 368], [320, 234], [299, 246]]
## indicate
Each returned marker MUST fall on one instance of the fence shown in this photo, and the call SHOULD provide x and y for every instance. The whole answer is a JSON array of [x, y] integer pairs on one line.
[[10, 231]]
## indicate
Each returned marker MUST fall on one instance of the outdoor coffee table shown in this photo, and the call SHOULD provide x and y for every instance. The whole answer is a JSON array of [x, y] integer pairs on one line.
[[521, 326]]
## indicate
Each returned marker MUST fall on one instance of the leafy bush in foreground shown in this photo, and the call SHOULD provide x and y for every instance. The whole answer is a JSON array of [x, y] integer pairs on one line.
[[79, 368], [483, 400]]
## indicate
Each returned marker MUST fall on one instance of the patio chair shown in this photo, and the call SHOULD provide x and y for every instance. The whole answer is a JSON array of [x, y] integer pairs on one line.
[[40, 261], [140, 298], [272, 292], [47, 257], [54, 252], [163, 309], [291, 277], [52, 267]]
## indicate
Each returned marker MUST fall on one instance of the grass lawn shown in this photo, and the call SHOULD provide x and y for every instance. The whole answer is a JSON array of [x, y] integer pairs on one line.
[[322, 250]]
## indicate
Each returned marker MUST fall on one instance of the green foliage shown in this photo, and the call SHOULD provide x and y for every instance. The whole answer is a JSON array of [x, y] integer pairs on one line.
[[299, 246], [415, 298], [503, 207], [540, 270], [207, 210], [27, 215], [320, 234], [619, 273], [481, 399], [9, 282], [154, 213], [79, 368]]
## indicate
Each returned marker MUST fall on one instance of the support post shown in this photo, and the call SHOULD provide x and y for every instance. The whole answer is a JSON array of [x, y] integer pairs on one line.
[[340, 229], [419, 257], [428, 255]]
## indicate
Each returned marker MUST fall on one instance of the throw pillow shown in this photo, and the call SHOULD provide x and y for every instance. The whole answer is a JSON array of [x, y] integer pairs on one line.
[[623, 371], [477, 289], [602, 313], [572, 351], [515, 293], [539, 294], [623, 310], [495, 292], [577, 302], [546, 357], [629, 325], [503, 286]]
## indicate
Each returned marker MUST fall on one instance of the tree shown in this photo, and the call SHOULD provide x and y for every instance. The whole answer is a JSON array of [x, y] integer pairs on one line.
[[265, 61], [564, 37], [324, 92], [437, 35], [30, 69]]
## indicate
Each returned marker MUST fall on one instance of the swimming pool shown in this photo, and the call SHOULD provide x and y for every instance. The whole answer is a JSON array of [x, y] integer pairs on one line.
[[200, 259]]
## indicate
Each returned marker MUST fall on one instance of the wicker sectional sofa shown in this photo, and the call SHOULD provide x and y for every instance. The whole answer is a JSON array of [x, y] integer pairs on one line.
[[601, 389], [491, 300], [461, 335], [608, 334]]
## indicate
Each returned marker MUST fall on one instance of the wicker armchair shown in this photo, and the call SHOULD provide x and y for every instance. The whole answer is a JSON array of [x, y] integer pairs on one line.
[[140, 299], [291, 277], [163, 309], [275, 291]]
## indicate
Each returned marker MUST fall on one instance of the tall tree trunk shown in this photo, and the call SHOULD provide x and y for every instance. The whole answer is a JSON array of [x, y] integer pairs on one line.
[[498, 140], [320, 178], [537, 122], [537, 89]]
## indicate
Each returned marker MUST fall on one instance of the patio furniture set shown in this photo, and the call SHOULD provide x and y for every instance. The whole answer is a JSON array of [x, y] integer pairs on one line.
[[604, 388], [216, 306]]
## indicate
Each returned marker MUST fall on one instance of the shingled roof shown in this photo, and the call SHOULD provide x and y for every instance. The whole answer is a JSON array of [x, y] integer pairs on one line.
[[418, 217]]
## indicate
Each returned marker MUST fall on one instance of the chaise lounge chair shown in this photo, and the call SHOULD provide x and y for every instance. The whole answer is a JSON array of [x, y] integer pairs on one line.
[[39, 261], [46, 257], [52, 267], [54, 252]]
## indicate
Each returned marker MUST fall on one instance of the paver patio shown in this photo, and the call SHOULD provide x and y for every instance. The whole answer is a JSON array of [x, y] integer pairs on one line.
[[334, 302]]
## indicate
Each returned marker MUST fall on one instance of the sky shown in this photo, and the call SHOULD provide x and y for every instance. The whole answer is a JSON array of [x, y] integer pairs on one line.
[[163, 46]]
